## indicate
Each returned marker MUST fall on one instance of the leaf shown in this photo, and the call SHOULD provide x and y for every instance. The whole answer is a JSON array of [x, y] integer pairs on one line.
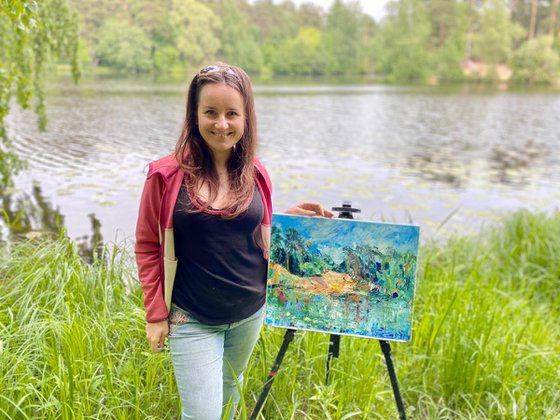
[[33, 7]]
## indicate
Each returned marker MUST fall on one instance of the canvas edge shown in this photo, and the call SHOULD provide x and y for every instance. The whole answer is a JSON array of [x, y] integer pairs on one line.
[[369, 337]]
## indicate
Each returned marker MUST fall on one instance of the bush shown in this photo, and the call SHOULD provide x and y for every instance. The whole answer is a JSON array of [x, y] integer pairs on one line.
[[536, 62]]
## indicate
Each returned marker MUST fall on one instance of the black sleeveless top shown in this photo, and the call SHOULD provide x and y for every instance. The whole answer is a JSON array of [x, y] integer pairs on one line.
[[221, 272]]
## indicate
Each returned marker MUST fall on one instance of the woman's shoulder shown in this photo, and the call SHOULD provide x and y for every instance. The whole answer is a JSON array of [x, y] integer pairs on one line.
[[262, 173], [259, 166], [165, 166]]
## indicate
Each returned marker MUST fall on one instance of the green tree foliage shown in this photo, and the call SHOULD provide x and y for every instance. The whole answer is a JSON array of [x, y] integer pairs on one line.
[[166, 58], [300, 55], [311, 15], [196, 30], [238, 43], [124, 47], [538, 17], [536, 62], [296, 251], [276, 24], [92, 16], [152, 17], [442, 17], [277, 246], [449, 38], [31, 33], [417, 40], [496, 35], [342, 40], [402, 44]]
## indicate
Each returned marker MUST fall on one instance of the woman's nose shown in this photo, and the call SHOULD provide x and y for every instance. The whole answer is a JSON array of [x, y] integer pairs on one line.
[[221, 122]]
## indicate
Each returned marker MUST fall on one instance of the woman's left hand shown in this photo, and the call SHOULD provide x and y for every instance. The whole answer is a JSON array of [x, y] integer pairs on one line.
[[309, 209]]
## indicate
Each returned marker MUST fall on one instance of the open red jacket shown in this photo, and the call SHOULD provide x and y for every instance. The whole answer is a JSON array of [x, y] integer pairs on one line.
[[155, 247]]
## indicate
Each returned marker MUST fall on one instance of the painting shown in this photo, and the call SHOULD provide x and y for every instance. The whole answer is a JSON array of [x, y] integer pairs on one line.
[[342, 276]]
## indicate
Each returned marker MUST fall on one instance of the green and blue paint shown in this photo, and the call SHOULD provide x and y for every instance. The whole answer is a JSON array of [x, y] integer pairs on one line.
[[342, 276]]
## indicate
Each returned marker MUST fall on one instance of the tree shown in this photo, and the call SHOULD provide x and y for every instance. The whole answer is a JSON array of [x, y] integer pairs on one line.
[[238, 44], [442, 16], [450, 42], [275, 24], [196, 31], [310, 15], [493, 42], [124, 47], [553, 16], [31, 34], [296, 251], [533, 23], [402, 42], [92, 16], [298, 56], [277, 246], [152, 17], [342, 40], [536, 62]]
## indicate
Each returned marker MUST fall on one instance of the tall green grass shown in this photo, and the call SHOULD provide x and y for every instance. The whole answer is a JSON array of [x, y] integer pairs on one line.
[[486, 339], [71, 338]]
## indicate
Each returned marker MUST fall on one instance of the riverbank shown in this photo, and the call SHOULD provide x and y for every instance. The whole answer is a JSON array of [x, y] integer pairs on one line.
[[486, 341]]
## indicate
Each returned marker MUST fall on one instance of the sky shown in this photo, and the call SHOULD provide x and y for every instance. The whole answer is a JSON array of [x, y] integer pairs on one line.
[[332, 235], [375, 8]]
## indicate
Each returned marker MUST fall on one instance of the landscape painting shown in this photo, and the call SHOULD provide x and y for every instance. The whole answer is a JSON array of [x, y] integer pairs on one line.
[[342, 276]]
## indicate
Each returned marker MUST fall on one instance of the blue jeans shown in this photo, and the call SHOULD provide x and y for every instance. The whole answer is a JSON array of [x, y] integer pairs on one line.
[[209, 361]]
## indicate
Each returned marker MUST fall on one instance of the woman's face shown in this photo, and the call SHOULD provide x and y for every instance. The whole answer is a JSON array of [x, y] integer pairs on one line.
[[220, 117]]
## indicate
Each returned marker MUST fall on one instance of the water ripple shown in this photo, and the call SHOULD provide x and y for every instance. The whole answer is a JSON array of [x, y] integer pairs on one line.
[[398, 153]]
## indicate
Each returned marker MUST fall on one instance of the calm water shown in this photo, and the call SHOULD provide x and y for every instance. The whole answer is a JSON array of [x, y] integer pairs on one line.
[[399, 154]]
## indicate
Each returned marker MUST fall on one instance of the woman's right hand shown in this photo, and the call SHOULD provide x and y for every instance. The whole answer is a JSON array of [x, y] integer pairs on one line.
[[309, 208], [156, 333]]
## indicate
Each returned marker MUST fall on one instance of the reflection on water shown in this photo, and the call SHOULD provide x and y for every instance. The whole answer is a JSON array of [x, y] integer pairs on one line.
[[25, 213], [31, 216], [508, 163], [396, 153]]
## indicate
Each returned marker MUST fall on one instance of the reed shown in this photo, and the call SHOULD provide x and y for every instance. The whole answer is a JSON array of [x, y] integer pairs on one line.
[[486, 340]]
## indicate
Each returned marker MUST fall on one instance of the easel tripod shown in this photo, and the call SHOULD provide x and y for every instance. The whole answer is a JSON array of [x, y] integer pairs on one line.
[[345, 212]]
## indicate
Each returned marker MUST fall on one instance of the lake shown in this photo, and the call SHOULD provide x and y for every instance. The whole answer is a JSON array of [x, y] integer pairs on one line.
[[451, 160]]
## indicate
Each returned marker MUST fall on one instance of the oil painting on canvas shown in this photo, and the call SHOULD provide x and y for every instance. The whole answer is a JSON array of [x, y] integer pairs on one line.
[[342, 276]]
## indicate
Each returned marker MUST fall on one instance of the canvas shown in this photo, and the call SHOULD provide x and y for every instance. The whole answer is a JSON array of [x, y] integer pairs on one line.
[[342, 276]]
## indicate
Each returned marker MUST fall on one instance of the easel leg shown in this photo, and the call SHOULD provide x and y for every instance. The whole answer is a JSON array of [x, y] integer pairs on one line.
[[334, 348], [386, 349], [288, 336]]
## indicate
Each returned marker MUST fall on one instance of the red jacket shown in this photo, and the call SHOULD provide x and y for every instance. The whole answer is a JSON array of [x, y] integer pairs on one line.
[[155, 247]]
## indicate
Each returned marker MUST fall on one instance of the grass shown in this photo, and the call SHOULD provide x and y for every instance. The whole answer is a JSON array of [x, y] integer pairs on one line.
[[486, 339]]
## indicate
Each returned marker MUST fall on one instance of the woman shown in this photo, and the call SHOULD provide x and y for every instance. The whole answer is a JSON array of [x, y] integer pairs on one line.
[[202, 243]]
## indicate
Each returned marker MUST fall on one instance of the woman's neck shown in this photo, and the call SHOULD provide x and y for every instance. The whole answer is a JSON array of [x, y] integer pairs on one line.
[[221, 160]]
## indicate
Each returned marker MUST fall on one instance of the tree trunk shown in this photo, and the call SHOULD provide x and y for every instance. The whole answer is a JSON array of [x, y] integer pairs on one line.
[[533, 24], [552, 23], [471, 18]]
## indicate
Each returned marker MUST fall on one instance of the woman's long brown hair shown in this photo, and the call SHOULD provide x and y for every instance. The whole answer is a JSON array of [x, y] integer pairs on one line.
[[194, 156]]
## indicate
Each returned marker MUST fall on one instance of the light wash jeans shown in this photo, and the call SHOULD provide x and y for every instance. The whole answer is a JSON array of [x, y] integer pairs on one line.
[[209, 361]]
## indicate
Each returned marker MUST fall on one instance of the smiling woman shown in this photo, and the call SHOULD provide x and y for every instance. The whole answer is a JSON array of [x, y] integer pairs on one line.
[[202, 243], [217, 145], [220, 119]]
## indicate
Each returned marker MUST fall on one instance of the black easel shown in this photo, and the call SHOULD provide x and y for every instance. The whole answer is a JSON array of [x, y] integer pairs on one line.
[[345, 212]]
